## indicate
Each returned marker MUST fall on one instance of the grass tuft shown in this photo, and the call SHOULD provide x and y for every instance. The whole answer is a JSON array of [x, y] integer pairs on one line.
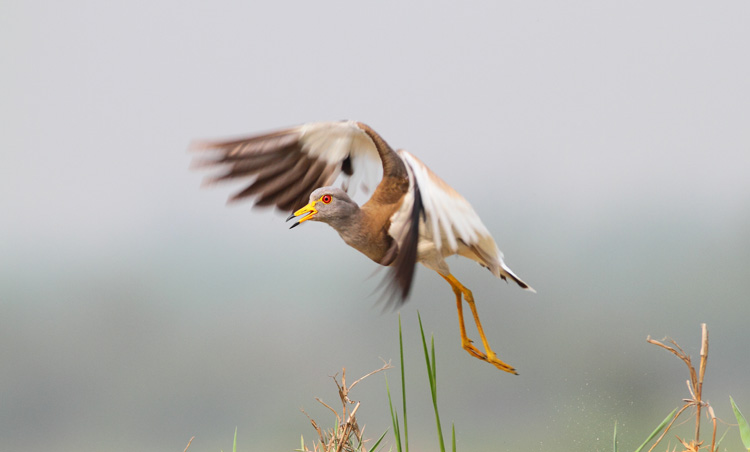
[[345, 435], [432, 378], [696, 401], [403, 383]]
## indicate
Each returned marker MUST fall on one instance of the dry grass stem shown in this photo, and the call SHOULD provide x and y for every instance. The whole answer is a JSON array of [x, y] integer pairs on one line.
[[188, 444], [695, 388], [713, 421], [346, 436]]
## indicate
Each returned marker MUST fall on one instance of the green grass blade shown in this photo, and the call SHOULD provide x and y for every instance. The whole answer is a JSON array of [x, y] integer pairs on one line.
[[742, 423], [377, 443], [403, 382], [433, 385], [453, 437], [434, 362], [614, 440], [394, 416], [234, 444], [426, 354], [657, 430]]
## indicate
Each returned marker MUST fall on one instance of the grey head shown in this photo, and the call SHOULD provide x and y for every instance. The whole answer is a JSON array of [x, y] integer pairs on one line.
[[330, 205]]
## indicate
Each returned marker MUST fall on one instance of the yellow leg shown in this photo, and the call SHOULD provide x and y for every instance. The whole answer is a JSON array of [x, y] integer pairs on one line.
[[466, 343]]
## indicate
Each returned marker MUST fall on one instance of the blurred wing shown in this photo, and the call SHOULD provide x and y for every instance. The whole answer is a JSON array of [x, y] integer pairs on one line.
[[405, 231], [287, 165]]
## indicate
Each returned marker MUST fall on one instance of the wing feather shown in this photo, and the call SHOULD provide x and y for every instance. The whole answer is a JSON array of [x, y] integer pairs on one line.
[[404, 228], [451, 222], [285, 166], [449, 218]]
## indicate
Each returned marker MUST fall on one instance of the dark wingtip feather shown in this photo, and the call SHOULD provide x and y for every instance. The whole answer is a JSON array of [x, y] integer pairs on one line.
[[397, 284]]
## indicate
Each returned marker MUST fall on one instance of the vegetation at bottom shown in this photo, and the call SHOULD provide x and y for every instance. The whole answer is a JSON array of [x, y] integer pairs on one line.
[[695, 442], [345, 435]]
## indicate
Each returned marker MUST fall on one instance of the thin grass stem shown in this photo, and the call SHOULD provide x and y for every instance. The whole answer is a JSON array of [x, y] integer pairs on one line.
[[403, 382], [433, 385]]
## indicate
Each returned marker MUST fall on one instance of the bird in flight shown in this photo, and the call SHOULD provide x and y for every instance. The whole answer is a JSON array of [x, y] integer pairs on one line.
[[412, 216]]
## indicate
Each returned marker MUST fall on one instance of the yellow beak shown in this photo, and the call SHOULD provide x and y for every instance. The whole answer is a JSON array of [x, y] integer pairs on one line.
[[309, 209]]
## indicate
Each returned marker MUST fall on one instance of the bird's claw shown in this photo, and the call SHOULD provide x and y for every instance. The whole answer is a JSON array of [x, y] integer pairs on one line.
[[495, 361], [492, 358], [473, 351]]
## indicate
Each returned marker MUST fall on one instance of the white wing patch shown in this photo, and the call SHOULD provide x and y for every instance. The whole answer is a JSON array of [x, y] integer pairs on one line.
[[449, 216], [401, 220], [334, 141]]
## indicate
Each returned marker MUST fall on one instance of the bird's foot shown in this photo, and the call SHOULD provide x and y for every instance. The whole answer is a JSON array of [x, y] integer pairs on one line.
[[490, 358], [500, 364], [473, 351]]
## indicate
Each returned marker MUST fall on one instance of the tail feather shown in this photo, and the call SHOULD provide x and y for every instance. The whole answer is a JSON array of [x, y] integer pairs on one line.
[[494, 262], [505, 272]]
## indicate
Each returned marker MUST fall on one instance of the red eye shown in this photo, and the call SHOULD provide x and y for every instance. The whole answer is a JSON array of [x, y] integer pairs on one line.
[[326, 199]]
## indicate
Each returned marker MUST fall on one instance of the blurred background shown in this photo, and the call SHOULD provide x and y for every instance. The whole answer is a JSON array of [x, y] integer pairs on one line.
[[605, 144]]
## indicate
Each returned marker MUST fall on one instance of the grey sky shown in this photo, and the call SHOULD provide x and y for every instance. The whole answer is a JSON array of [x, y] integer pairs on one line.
[[605, 144]]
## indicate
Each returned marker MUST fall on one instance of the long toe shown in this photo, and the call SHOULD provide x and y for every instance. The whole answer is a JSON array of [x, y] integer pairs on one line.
[[473, 351], [497, 362]]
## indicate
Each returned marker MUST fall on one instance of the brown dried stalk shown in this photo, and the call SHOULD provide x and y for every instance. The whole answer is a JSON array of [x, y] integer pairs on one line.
[[695, 387], [340, 438]]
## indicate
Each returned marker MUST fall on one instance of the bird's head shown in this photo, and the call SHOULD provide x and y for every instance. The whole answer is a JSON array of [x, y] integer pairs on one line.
[[327, 204]]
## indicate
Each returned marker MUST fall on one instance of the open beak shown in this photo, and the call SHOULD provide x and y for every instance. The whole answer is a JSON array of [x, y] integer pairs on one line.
[[308, 212]]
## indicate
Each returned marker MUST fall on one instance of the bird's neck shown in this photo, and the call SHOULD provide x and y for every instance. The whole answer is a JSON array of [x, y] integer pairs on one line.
[[359, 230]]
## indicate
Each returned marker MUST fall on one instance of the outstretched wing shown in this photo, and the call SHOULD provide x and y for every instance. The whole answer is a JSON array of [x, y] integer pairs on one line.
[[287, 165], [449, 216], [432, 219], [447, 221]]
